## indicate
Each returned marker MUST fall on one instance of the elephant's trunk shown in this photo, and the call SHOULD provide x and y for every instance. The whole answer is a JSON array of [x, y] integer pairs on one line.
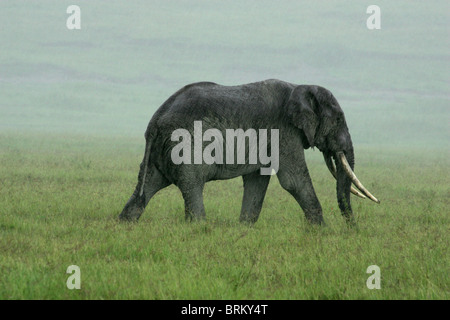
[[343, 186], [345, 177], [332, 168]]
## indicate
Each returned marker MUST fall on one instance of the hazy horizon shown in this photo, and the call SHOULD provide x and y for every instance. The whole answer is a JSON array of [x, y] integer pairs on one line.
[[111, 76]]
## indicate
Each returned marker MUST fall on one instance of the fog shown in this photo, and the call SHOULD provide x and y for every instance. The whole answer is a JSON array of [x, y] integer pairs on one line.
[[110, 76]]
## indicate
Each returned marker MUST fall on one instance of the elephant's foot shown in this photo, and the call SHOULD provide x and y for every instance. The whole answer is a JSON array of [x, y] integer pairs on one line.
[[315, 217], [130, 213], [248, 219], [192, 217]]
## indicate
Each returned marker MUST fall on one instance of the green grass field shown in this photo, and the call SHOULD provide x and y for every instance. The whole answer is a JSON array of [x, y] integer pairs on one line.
[[74, 105], [60, 207]]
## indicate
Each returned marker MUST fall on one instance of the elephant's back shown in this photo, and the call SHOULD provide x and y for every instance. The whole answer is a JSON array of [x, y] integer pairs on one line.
[[224, 104]]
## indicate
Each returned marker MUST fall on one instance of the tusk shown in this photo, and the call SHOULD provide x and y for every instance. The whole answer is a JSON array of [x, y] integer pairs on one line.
[[332, 169], [353, 177]]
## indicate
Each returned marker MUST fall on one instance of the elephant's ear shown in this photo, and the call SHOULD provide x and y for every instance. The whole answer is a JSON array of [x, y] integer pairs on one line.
[[300, 109]]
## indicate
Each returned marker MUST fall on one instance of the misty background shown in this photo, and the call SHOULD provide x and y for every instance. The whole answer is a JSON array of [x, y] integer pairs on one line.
[[108, 78]]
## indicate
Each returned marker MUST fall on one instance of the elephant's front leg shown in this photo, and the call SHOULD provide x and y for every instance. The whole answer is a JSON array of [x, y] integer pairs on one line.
[[298, 183], [255, 187]]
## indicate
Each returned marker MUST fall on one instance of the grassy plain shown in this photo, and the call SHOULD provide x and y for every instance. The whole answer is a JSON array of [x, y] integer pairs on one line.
[[61, 196]]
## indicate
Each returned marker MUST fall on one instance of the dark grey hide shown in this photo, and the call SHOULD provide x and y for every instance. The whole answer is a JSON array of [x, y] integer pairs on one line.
[[305, 115]]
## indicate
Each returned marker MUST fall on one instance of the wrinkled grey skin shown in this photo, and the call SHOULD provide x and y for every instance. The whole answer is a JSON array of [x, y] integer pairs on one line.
[[306, 116]]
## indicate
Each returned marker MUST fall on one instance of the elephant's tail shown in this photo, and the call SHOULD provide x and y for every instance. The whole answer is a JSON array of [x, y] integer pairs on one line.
[[145, 163]]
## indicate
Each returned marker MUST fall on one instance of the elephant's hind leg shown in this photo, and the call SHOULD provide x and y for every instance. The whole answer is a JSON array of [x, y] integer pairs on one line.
[[154, 181], [255, 187]]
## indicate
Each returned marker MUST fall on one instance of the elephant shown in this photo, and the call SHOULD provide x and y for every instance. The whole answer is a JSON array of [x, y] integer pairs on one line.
[[304, 116]]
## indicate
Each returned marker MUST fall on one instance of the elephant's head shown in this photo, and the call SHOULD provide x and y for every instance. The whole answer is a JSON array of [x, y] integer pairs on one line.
[[317, 113]]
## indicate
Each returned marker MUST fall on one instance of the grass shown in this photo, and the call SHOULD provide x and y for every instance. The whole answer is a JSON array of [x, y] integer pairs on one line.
[[60, 197]]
